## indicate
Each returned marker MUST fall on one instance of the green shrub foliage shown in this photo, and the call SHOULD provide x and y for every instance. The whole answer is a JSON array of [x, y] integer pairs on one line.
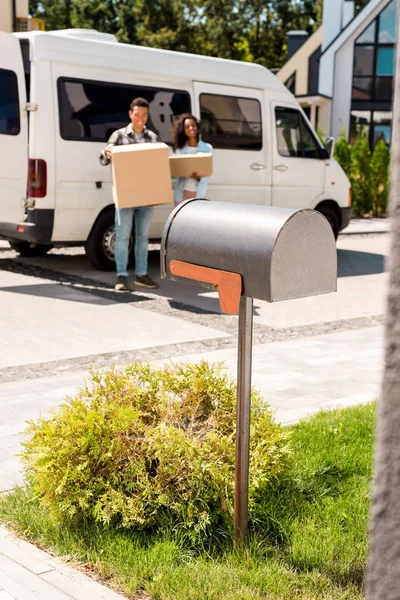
[[343, 153], [379, 178], [368, 172], [152, 448], [359, 175]]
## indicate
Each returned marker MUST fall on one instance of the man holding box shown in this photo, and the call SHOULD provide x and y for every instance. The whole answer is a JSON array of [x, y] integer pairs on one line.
[[135, 133]]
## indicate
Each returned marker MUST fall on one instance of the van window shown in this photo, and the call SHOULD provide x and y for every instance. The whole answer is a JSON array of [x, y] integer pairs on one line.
[[93, 110], [9, 103], [231, 123], [294, 135]]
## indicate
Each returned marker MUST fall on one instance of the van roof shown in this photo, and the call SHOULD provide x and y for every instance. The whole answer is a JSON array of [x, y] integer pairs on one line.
[[95, 49]]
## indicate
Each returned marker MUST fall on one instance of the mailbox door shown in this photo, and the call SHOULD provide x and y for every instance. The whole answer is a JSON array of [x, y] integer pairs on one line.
[[234, 123], [298, 178]]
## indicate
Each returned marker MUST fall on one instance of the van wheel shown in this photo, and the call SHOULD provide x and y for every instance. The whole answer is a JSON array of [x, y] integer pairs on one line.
[[330, 214], [101, 242], [30, 249]]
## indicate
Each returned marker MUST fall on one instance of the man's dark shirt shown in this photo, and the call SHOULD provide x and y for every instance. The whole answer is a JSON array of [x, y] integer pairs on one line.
[[126, 135]]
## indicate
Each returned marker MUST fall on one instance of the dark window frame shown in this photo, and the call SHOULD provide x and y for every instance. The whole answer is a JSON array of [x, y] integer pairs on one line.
[[377, 45], [14, 77], [290, 83], [62, 80], [215, 145], [322, 154], [372, 123]]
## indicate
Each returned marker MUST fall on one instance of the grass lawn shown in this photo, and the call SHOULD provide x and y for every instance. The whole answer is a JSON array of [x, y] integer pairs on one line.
[[310, 543]]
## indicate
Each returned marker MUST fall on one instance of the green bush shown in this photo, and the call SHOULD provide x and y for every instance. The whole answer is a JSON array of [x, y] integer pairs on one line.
[[152, 448], [359, 175], [343, 153], [368, 173], [379, 178]]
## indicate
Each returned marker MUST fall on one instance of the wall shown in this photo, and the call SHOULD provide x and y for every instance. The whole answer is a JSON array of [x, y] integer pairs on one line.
[[343, 74], [6, 13], [342, 86], [327, 63], [299, 63]]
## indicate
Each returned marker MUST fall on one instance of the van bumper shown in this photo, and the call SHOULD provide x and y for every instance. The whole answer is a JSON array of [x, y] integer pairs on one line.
[[346, 216], [38, 227]]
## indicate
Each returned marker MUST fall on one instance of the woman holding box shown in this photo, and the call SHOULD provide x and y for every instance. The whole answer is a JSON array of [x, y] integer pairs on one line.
[[187, 141]]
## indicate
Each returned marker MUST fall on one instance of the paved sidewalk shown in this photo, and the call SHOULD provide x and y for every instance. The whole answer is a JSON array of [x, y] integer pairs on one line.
[[367, 225], [27, 573]]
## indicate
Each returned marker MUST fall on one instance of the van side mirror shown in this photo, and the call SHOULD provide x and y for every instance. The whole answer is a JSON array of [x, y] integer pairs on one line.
[[330, 146]]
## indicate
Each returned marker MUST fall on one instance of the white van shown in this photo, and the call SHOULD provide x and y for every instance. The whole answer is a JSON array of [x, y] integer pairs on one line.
[[63, 93]]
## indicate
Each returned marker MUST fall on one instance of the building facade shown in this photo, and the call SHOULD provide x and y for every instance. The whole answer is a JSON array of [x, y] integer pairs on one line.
[[14, 16], [355, 69]]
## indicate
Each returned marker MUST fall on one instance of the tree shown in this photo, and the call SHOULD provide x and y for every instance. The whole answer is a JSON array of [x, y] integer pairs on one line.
[[169, 24], [250, 30], [56, 13]]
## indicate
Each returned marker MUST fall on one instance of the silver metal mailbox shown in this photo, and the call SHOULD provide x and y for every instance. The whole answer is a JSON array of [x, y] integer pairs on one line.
[[248, 252], [279, 253]]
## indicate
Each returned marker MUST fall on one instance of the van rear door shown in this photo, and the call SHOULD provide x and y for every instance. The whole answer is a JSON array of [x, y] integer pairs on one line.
[[13, 131]]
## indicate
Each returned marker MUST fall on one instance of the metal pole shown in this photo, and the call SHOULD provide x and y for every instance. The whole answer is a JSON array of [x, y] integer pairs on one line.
[[243, 407]]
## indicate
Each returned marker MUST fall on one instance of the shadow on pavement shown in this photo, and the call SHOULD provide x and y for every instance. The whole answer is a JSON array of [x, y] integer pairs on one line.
[[353, 263], [66, 287], [71, 293]]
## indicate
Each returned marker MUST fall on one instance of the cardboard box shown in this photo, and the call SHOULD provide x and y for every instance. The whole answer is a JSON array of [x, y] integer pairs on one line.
[[141, 175], [183, 165]]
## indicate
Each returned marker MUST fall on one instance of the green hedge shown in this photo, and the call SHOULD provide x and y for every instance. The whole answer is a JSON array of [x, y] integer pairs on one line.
[[368, 172]]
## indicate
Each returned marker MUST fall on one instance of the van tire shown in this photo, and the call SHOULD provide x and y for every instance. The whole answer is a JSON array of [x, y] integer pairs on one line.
[[30, 249], [100, 244], [330, 214]]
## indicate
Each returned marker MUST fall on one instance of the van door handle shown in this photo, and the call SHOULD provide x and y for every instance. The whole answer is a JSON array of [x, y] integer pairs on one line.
[[281, 168], [257, 167]]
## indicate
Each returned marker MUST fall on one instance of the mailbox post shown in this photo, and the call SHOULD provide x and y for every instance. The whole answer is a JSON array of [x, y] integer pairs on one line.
[[246, 252], [243, 411]]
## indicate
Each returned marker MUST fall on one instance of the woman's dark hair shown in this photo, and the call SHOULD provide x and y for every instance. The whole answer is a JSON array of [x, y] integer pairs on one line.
[[179, 135]]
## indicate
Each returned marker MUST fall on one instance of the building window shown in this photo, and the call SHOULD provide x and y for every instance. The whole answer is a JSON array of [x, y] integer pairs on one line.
[[376, 124], [373, 77], [374, 59], [93, 110], [231, 123], [9, 103], [291, 84]]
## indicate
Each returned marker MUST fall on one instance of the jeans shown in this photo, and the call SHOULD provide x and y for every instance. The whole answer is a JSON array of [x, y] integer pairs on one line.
[[123, 225]]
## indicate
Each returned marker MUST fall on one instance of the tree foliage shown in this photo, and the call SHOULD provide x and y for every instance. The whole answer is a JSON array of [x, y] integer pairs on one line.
[[250, 30]]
